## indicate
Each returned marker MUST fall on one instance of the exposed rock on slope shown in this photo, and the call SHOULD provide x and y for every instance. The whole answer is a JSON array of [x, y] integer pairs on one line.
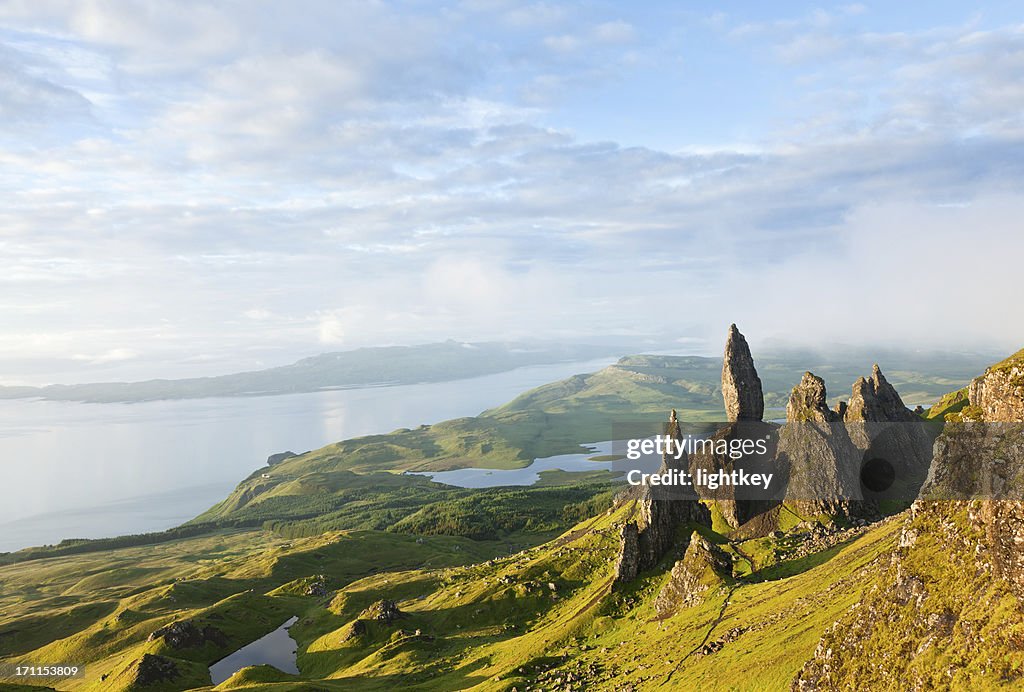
[[660, 512], [154, 669], [946, 610], [821, 460], [185, 634], [999, 393], [741, 387], [809, 401], [875, 400], [704, 567]]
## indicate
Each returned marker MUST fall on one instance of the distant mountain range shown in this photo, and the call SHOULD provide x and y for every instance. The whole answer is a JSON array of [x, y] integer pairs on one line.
[[364, 367]]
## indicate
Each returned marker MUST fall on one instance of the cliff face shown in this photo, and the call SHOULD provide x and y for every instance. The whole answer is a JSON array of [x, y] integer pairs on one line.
[[944, 611]]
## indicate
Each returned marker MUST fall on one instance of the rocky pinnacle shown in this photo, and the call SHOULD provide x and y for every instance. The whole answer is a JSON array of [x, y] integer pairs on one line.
[[874, 399], [808, 401], [741, 387]]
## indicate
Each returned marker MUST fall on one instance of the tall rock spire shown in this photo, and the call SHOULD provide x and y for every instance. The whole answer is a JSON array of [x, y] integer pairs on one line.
[[741, 387]]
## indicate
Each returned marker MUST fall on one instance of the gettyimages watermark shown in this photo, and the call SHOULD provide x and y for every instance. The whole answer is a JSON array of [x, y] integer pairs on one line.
[[667, 446]]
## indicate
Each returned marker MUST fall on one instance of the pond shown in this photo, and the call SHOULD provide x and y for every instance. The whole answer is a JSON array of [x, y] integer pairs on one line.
[[528, 475], [275, 649]]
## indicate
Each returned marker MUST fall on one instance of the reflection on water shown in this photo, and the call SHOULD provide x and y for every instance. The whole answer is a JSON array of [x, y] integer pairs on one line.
[[490, 478], [76, 470], [275, 649]]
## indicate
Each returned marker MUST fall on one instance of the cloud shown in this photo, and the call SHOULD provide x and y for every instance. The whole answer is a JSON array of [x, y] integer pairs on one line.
[[112, 356], [349, 174], [617, 31]]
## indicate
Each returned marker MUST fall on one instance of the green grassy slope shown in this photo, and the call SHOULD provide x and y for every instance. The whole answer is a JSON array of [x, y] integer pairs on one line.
[[550, 616], [472, 619], [98, 609]]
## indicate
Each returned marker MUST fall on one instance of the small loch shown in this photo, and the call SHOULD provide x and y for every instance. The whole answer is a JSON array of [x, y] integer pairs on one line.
[[275, 649]]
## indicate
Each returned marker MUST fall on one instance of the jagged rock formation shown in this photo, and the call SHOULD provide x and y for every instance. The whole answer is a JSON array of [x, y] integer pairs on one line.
[[809, 401], [834, 455], [874, 400], [741, 387], [660, 512], [627, 566], [944, 611], [883, 427], [820, 459], [704, 567]]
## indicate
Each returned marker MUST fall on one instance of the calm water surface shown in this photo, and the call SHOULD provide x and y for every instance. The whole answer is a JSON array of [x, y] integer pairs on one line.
[[275, 649], [490, 478], [77, 470]]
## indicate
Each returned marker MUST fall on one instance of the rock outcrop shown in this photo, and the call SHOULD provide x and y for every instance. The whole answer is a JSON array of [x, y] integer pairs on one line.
[[185, 634], [809, 401], [384, 610], [705, 567], [660, 511], [998, 395], [875, 400], [819, 458], [153, 669], [741, 387], [943, 611]]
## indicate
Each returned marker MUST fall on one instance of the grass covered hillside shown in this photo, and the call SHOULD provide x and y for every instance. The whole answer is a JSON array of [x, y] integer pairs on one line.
[[400, 581], [469, 614]]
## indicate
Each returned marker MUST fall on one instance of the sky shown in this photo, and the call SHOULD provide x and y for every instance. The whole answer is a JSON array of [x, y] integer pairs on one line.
[[192, 188]]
